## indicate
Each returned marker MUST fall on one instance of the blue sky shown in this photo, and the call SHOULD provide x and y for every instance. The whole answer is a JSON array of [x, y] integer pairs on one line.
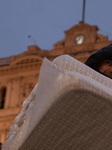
[[46, 21]]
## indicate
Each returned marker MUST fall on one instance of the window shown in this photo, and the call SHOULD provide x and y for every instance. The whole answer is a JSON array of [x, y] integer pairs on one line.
[[3, 97]]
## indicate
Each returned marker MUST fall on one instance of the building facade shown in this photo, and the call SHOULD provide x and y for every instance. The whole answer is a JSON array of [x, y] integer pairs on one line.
[[19, 74]]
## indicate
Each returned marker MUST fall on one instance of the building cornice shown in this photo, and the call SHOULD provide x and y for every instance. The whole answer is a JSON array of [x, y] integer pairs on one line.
[[6, 70]]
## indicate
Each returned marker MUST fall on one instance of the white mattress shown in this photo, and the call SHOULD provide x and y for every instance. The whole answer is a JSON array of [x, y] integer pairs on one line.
[[69, 109]]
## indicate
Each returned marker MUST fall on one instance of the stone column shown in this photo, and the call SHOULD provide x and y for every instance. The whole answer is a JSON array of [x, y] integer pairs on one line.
[[15, 92], [3, 136], [8, 93]]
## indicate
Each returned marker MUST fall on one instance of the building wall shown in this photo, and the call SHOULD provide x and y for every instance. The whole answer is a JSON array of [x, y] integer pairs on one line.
[[19, 74]]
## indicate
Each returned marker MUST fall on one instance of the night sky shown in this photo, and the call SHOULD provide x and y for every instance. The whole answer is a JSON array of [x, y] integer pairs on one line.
[[46, 21]]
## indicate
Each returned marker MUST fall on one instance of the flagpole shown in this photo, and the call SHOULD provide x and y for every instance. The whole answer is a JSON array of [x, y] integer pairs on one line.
[[83, 14]]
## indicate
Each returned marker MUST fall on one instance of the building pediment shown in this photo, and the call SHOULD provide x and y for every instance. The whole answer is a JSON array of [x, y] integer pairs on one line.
[[81, 34], [33, 54], [80, 27]]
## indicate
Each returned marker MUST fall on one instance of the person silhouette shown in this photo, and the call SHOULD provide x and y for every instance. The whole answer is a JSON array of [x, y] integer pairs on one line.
[[101, 61]]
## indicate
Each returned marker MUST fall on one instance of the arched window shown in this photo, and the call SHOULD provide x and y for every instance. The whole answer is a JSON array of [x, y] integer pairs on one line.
[[3, 97]]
